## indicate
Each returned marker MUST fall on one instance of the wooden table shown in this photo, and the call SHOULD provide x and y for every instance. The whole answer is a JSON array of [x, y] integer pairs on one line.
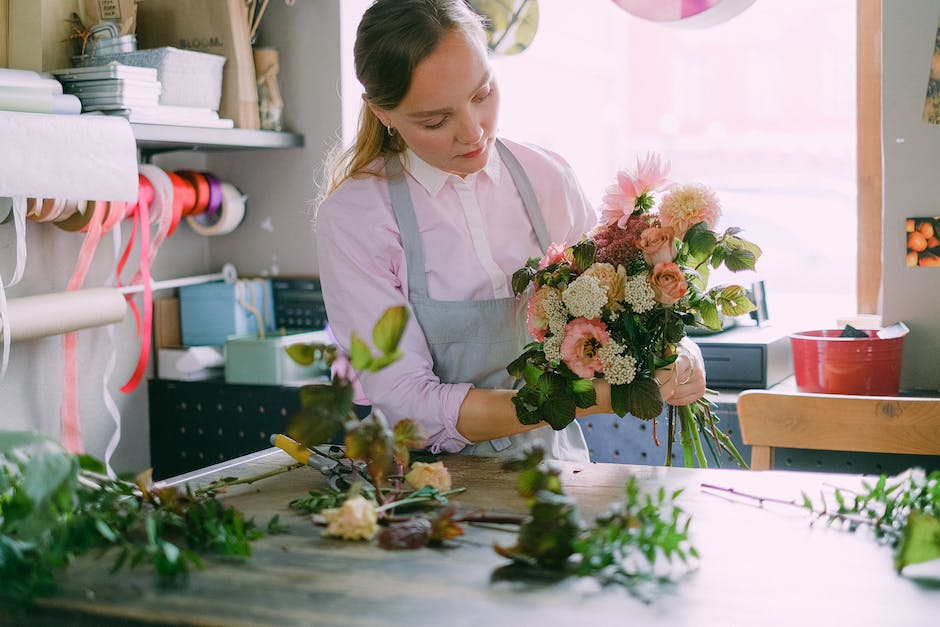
[[758, 566]]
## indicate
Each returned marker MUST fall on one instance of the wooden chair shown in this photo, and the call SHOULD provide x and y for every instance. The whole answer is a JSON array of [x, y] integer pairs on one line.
[[874, 424]]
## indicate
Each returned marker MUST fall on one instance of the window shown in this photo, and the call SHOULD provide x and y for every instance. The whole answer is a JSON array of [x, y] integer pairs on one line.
[[762, 108]]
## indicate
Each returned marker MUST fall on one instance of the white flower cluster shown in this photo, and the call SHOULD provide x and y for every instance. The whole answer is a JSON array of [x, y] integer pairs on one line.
[[552, 347], [584, 297], [618, 368], [639, 293], [556, 313]]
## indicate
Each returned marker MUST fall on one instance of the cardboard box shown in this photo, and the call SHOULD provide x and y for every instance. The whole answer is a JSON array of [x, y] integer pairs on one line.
[[38, 35], [166, 322]]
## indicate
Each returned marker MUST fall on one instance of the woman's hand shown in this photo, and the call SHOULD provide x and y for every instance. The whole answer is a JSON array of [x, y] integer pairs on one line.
[[684, 381]]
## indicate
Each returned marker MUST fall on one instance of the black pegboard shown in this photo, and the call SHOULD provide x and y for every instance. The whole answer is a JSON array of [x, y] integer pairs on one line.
[[194, 424], [630, 441]]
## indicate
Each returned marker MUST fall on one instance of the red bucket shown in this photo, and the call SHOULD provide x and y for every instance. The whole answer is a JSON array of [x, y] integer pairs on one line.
[[825, 363]]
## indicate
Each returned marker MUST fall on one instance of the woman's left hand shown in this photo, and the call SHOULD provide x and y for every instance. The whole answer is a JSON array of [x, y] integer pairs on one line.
[[684, 381]]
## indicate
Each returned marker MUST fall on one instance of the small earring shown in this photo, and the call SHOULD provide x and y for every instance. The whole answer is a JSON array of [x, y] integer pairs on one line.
[[391, 131]]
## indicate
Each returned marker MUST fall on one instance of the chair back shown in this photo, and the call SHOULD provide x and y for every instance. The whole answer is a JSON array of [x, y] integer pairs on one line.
[[836, 422]]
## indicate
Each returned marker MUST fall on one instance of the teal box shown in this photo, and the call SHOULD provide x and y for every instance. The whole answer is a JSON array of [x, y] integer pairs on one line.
[[210, 313], [264, 361]]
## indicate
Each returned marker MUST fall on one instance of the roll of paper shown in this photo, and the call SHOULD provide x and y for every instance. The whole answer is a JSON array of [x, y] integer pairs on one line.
[[43, 315], [67, 156]]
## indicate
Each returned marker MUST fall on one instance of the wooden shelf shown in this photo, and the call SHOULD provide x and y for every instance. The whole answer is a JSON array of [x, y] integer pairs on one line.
[[156, 138]]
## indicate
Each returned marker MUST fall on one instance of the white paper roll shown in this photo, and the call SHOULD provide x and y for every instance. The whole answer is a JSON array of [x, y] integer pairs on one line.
[[43, 315], [67, 156]]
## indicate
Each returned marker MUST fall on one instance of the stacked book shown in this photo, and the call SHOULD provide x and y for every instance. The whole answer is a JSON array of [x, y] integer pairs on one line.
[[132, 92], [31, 92]]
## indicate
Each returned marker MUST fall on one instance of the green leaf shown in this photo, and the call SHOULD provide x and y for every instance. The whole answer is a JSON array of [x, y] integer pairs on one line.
[[733, 300], [710, 316], [620, 399], [700, 240], [583, 253], [521, 279], [739, 259], [517, 365], [303, 354], [389, 329], [360, 355], [920, 541], [583, 391], [511, 25], [324, 410], [384, 360], [644, 401]]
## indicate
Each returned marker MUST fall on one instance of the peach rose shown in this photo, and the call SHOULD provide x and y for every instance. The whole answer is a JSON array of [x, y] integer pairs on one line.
[[435, 475], [355, 519], [658, 244], [668, 282]]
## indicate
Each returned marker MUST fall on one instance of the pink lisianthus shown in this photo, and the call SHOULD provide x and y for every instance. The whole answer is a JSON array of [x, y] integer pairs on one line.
[[536, 318], [657, 243], [621, 199], [580, 344], [687, 205], [555, 254], [668, 282]]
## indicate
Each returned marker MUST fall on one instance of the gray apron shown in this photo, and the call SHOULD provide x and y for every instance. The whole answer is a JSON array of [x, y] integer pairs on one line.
[[473, 341]]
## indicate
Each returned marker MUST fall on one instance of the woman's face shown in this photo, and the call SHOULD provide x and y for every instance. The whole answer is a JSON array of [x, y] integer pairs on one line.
[[448, 117]]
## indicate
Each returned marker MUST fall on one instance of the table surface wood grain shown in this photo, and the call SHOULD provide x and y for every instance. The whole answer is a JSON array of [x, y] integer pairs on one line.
[[758, 566]]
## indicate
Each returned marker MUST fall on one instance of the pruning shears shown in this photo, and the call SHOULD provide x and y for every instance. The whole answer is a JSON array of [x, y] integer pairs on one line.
[[340, 475]]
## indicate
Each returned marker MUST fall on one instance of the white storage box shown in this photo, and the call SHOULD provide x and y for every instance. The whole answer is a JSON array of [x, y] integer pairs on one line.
[[188, 78]]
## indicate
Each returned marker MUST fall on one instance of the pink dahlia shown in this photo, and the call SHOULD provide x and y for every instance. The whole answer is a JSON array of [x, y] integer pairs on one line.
[[580, 344], [687, 205], [621, 199]]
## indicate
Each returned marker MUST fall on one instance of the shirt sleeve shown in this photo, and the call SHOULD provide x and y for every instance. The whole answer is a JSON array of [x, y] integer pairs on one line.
[[362, 273]]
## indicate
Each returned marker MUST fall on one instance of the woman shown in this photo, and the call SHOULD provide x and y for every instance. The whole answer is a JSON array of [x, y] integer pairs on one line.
[[428, 207]]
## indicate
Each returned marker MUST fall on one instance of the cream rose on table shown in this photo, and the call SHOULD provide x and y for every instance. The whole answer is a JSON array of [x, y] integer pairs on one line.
[[355, 519], [434, 475], [616, 304]]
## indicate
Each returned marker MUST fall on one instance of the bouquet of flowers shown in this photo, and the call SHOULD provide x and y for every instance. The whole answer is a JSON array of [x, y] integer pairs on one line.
[[617, 303]]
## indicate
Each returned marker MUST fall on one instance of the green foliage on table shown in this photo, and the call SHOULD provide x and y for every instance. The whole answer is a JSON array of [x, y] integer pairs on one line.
[[55, 506], [642, 538], [634, 537], [905, 514]]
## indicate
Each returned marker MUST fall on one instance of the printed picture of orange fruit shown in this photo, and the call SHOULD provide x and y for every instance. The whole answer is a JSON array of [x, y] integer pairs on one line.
[[925, 229], [916, 242]]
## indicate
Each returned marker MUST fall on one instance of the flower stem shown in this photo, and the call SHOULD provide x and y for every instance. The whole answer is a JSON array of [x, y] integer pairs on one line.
[[414, 499]]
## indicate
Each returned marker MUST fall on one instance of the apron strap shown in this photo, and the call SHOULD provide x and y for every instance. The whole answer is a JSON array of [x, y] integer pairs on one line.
[[407, 225], [527, 193]]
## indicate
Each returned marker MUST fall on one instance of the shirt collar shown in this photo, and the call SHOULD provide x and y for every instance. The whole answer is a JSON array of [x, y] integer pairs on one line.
[[433, 179]]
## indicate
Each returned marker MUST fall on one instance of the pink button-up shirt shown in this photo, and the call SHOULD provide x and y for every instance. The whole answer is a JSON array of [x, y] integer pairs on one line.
[[475, 233]]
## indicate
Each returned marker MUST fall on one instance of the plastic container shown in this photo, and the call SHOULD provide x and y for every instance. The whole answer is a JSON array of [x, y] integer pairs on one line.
[[188, 78], [825, 363], [256, 361]]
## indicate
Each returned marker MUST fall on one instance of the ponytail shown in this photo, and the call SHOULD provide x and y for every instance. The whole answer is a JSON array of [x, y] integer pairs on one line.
[[372, 141]]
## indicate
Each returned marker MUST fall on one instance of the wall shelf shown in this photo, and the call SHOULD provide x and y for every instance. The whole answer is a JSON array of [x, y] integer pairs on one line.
[[157, 138]]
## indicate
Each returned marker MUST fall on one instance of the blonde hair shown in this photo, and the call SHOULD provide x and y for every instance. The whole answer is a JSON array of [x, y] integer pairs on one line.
[[393, 37]]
